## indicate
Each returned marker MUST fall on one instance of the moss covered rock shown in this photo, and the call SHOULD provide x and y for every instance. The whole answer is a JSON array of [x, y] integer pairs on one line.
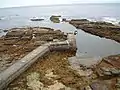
[[55, 19]]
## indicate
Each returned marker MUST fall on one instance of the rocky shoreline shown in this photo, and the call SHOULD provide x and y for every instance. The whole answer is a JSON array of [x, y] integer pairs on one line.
[[55, 19], [55, 70], [102, 29], [20, 41]]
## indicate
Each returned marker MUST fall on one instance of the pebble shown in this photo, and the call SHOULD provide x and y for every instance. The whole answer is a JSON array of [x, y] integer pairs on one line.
[[107, 73], [87, 88], [115, 71], [105, 69]]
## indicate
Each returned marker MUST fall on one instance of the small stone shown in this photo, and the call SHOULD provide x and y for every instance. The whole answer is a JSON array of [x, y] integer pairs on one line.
[[105, 69], [117, 85], [107, 73], [115, 71], [118, 80], [87, 88]]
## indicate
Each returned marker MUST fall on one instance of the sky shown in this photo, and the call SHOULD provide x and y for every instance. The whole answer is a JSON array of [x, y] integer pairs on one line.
[[17, 3]]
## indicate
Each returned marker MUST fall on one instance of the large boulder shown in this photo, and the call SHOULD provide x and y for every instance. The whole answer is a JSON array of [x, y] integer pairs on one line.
[[55, 19]]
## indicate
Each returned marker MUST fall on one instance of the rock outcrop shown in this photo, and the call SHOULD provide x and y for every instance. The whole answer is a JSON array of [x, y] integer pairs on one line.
[[102, 29], [55, 19], [20, 41]]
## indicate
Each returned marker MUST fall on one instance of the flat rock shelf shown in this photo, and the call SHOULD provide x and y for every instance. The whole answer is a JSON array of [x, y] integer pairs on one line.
[[9, 74]]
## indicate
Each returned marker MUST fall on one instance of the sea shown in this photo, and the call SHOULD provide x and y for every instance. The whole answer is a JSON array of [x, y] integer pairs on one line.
[[88, 45]]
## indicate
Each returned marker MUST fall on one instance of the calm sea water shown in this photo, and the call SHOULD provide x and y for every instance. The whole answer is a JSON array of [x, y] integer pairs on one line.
[[87, 44], [13, 17]]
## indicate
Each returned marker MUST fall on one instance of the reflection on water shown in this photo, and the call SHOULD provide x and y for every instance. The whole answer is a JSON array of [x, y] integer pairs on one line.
[[91, 45]]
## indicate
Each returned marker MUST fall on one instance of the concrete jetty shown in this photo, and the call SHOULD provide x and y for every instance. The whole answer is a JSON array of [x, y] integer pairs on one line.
[[8, 75]]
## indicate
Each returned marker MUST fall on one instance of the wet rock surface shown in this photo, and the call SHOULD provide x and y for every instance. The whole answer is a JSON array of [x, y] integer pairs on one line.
[[109, 66], [108, 71], [20, 41], [99, 86], [55, 19], [102, 29], [54, 71], [51, 72]]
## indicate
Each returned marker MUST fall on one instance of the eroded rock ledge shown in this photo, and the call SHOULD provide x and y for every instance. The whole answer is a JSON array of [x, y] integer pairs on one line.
[[102, 29], [54, 72], [18, 42], [54, 40]]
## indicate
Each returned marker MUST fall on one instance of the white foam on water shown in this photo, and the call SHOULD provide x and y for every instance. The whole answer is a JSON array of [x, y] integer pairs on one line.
[[111, 20]]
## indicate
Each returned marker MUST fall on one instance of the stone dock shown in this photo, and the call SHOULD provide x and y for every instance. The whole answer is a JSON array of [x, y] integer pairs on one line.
[[12, 72]]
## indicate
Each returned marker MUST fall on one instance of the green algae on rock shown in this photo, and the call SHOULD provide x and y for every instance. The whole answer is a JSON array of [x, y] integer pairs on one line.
[[99, 28], [55, 19]]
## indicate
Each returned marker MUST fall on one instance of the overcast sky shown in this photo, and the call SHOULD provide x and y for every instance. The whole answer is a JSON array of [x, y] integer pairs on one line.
[[16, 3]]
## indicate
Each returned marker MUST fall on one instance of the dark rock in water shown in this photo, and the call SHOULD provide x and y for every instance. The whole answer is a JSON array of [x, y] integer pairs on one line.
[[79, 20], [99, 28], [75, 32], [36, 19], [64, 19], [55, 19], [5, 30], [0, 30]]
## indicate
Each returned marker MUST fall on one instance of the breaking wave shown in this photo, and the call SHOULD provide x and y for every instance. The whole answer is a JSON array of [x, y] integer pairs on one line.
[[111, 20]]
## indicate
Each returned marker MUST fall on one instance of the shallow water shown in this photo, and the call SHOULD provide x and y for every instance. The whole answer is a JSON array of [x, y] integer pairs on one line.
[[91, 45], [14, 17]]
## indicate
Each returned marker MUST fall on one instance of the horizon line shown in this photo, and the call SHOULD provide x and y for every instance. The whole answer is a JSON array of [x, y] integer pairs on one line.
[[52, 5]]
